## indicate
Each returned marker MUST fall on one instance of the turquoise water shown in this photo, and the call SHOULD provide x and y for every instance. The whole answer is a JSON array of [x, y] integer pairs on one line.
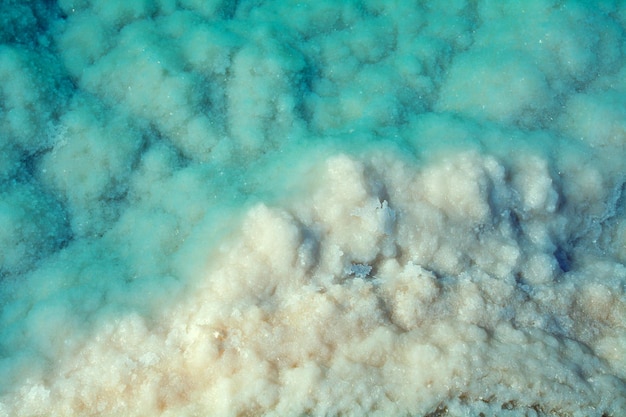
[[312, 208]]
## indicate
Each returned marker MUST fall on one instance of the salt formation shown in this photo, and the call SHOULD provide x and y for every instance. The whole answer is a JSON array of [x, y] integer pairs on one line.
[[312, 208]]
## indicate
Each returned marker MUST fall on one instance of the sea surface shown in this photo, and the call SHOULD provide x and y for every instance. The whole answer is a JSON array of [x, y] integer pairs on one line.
[[312, 208]]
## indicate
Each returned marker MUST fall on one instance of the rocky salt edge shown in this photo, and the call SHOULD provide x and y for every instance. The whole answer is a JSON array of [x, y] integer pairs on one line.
[[388, 291]]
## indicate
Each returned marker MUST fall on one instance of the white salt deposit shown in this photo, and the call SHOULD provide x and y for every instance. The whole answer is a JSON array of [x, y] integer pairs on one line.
[[312, 208]]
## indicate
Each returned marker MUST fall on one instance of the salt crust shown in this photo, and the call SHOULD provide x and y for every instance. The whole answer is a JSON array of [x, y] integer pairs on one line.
[[282, 208], [275, 322]]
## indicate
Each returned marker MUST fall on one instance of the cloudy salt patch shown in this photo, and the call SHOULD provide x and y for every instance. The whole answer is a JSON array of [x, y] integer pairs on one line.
[[33, 224], [283, 208], [33, 92]]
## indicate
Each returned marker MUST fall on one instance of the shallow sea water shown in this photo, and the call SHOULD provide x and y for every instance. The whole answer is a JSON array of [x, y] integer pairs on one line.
[[313, 208]]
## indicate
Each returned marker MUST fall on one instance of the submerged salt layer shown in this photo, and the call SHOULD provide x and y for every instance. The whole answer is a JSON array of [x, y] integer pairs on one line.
[[312, 208]]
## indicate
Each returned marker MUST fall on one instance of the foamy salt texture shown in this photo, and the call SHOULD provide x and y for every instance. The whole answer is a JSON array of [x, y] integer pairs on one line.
[[312, 208]]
